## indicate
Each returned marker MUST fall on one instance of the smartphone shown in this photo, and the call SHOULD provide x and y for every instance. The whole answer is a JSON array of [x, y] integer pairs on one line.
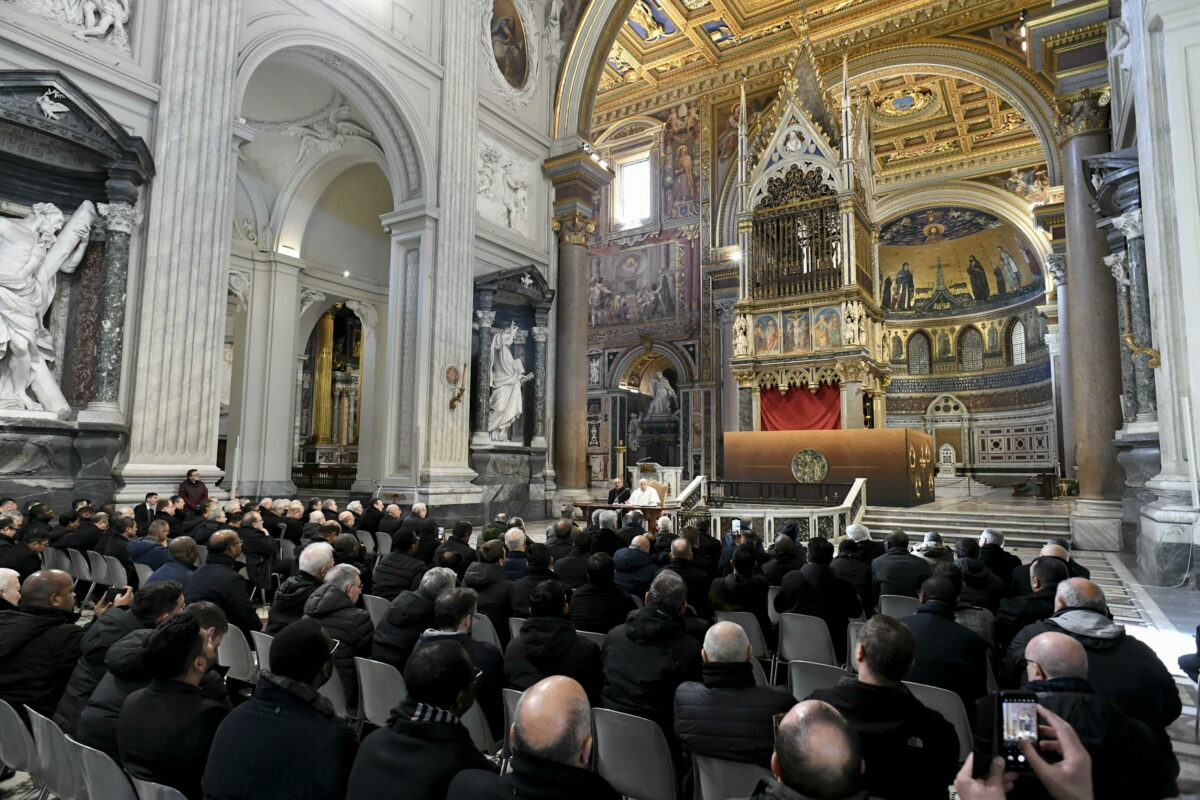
[[736, 525], [112, 594], [441, 533], [1016, 719]]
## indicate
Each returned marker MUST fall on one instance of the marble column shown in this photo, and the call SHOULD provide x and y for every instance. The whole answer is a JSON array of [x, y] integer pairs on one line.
[[484, 318], [1091, 329], [322, 390], [181, 312], [106, 380], [571, 372], [540, 334], [1056, 265]]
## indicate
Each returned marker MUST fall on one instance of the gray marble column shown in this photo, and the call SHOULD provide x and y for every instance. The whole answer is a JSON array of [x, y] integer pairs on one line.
[[483, 372], [181, 314], [106, 381], [571, 369], [540, 334]]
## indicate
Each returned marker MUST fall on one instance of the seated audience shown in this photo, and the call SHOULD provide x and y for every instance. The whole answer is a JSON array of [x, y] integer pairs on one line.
[[218, 582], [635, 525], [934, 550], [254, 751], [165, 730], [1074, 568], [150, 549], [538, 571], [214, 520], [897, 571], [1021, 584], [646, 658], [816, 757], [458, 540], [910, 751], [725, 715], [1046, 573], [347, 549], [399, 570], [635, 567], [868, 548], [697, 580], [408, 617], [516, 562], [817, 591], [571, 569], [995, 557], [288, 604], [948, 655], [425, 745], [600, 605], [547, 644], [10, 589], [786, 556], [428, 540], [25, 557], [850, 566], [493, 588], [551, 740], [495, 529], [743, 589], [391, 521], [981, 587], [605, 538], [334, 604], [182, 555]]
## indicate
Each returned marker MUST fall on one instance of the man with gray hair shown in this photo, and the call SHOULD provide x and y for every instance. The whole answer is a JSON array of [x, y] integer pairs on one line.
[[334, 605], [606, 539], [726, 714], [647, 658], [10, 589], [408, 616], [551, 740], [288, 606], [635, 525], [390, 523], [995, 557], [868, 548], [516, 561]]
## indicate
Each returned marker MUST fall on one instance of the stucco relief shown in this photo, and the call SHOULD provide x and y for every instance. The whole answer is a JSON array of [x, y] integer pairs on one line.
[[503, 181]]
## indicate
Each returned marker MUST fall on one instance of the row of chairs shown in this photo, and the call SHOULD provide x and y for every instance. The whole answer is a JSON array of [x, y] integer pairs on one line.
[[66, 769], [92, 568]]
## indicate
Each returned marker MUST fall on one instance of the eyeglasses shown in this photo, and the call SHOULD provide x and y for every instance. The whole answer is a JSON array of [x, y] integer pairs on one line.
[[333, 649]]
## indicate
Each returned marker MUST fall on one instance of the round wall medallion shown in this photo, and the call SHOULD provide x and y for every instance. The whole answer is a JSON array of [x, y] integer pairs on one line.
[[810, 466]]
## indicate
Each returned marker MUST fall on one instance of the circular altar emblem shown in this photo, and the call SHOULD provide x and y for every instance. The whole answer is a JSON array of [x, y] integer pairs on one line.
[[809, 466]]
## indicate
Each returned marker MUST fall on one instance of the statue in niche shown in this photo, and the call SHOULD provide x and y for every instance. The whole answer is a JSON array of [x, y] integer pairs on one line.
[[662, 397], [33, 250], [633, 432], [741, 336], [507, 378]]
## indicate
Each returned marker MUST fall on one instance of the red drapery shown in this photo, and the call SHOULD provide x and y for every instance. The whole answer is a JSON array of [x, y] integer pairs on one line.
[[801, 410]]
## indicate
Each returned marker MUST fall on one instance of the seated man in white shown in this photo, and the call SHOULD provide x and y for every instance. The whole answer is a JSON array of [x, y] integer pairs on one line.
[[644, 495]]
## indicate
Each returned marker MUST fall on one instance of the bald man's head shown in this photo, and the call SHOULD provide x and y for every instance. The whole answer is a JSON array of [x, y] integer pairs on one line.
[[726, 642], [641, 543], [1055, 655], [49, 588], [554, 722], [1058, 551], [183, 548], [1080, 593], [681, 548], [816, 753]]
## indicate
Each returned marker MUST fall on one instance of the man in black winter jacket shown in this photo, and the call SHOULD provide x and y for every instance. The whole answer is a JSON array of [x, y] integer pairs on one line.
[[786, 556], [399, 571], [725, 715], [218, 582], [948, 655], [635, 566], [635, 525], [492, 586], [571, 569], [897, 571], [334, 605], [537, 559], [458, 541], [600, 606], [1046, 573], [849, 565], [647, 658], [558, 538], [697, 580], [815, 590], [255, 749], [409, 615], [288, 605], [551, 745], [995, 557], [547, 645], [25, 557]]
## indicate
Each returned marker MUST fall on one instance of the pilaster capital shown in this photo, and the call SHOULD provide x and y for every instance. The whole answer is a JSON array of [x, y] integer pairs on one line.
[[745, 378], [539, 334], [120, 217], [725, 308], [484, 319], [851, 371], [310, 297], [1130, 223], [239, 287], [573, 228], [366, 314], [1116, 264], [1056, 263], [1084, 111]]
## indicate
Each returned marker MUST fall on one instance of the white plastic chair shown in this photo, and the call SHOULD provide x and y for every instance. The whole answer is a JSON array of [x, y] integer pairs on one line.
[[17, 748], [804, 677], [333, 691], [234, 653], [115, 570], [772, 614], [60, 771], [482, 630], [805, 638], [143, 572], [377, 607], [104, 779], [623, 740], [598, 638], [950, 706], [514, 626], [380, 687], [148, 790], [262, 649], [477, 725], [718, 779], [383, 543], [897, 606], [511, 698], [367, 540]]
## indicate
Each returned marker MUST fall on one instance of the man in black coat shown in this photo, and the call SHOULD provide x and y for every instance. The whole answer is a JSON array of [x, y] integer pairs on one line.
[[635, 525], [911, 751], [426, 531], [696, 580], [538, 561], [981, 587], [85, 535], [371, 515], [258, 548], [868, 548], [571, 569], [897, 571], [816, 755], [558, 540], [255, 749], [399, 570], [40, 642], [218, 581], [850, 566], [333, 604], [391, 521], [1021, 585], [551, 746], [548, 645], [288, 605], [151, 605], [410, 614], [995, 557], [635, 566], [948, 655], [725, 715], [605, 538], [1046, 573], [786, 556], [817, 591], [25, 557], [417, 755], [143, 514], [165, 730], [619, 494], [458, 541], [647, 658], [492, 586], [599, 605]]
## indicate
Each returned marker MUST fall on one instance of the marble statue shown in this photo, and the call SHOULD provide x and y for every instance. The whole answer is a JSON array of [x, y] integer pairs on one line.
[[662, 397], [741, 336], [33, 250], [633, 432], [105, 17], [507, 378]]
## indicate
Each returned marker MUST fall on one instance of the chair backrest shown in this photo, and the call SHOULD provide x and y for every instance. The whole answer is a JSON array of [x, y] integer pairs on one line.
[[771, 612], [333, 691], [383, 542], [749, 623], [287, 549], [105, 780], [380, 687], [482, 630], [950, 706], [53, 558], [80, 568], [897, 606], [367, 540], [511, 698], [477, 725], [201, 556], [17, 748], [143, 573], [852, 632], [760, 676], [623, 740], [60, 772], [99, 568], [148, 790], [805, 676], [661, 488], [514, 626], [234, 652], [116, 572], [805, 638], [717, 779], [638, 601], [262, 649], [593, 636], [377, 607]]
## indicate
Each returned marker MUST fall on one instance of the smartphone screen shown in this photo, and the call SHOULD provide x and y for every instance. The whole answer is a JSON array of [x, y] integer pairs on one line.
[[112, 594], [736, 525], [1017, 720]]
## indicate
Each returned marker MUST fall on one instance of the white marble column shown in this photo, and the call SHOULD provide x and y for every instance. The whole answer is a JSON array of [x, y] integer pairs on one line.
[[175, 408]]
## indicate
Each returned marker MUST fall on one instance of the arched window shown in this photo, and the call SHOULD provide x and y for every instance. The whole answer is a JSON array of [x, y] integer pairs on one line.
[[918, 354], [1016, 343], [970, 351]]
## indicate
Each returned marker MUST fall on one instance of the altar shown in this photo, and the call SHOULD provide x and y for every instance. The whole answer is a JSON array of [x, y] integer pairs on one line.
[[897, 462]]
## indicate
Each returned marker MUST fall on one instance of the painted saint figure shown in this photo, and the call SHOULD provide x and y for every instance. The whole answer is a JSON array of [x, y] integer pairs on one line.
[[978, 279], [904, 288], [507, 378], [1010, 268], [999, 273]]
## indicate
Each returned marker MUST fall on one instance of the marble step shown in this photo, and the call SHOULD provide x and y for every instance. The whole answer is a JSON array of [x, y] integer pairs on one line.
[[1016, 527]]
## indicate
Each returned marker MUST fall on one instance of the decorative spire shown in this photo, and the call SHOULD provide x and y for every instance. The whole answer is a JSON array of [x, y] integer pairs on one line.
[[742, 155]]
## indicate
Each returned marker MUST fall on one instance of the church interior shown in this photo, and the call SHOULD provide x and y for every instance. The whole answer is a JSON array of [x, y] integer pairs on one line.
[[797, 265]]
